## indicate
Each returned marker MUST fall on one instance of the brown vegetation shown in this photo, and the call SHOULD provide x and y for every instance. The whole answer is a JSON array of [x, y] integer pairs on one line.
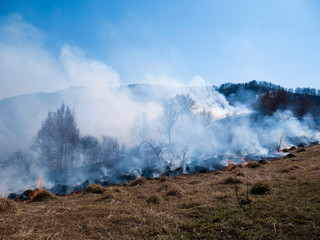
[[94, 188], [185, 207], [260, 188], [42, 195], [7, 206]]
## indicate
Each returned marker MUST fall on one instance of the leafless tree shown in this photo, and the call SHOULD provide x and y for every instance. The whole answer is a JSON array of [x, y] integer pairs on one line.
[[91, 150], [174, 109], [58, 139], [110, 148]]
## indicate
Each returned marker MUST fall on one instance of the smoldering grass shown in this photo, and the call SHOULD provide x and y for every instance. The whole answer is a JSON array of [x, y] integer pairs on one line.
[[42, 196]]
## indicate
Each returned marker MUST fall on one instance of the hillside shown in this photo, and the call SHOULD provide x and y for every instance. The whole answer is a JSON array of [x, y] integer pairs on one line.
[[200, 206]]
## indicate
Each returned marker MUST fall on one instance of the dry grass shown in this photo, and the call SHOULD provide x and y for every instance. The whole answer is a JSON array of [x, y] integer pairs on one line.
[[7, 206], [260, 188], [94, 188], [43, 195], [185, 207], [137, 182]]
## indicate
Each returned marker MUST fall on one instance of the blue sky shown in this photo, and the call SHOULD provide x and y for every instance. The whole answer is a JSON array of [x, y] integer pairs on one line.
[[217, 40]]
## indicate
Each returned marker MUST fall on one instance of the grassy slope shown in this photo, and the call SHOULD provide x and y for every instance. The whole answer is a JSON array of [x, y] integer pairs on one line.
[[201, 206]]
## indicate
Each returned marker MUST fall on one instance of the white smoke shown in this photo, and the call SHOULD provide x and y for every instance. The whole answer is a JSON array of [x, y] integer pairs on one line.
[[106, 107]]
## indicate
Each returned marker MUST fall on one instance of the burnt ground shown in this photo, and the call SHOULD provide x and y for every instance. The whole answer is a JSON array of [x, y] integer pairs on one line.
[[215, 205]]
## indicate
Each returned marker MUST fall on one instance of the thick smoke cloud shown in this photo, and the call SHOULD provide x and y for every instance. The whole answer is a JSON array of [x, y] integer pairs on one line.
[[27, 66], [204, 133]]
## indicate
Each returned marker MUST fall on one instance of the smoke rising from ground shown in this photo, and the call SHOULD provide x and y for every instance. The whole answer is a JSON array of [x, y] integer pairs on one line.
[[160, 126]]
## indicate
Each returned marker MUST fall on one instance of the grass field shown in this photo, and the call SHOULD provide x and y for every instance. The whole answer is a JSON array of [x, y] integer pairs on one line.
[[217, 205]]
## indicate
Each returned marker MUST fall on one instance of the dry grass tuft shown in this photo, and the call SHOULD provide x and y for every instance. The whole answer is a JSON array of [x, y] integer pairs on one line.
[[263, 162], [163, 179], [253, 164], [290, 155], [260, 188], [42, 196], [240, 174], [94, 188], [231, 180], [153, 199], [105, 196], [236, 166], [301, 150], [137, 182], [174, 193], [7, 206], [164, 187], [286, 170]]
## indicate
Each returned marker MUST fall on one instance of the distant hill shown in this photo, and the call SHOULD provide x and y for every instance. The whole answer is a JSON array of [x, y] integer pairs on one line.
[[267, 98]]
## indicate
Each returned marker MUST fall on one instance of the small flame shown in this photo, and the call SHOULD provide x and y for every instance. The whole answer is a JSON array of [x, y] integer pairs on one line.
[[74, 190], [40, 183], [38, 188], [244, 161], [229, 165]]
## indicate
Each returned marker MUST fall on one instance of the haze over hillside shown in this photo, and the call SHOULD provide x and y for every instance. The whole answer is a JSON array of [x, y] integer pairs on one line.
[[143, 129]]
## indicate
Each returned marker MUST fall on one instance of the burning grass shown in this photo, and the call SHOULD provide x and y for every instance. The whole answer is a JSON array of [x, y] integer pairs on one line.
[[42, 195], [185, 207]]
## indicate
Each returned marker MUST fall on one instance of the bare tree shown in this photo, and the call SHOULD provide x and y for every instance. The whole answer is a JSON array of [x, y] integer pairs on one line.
[[140, 128], [185, 104], [205, 118], [110, 148], [175, 108], [170, 117], [58, 139], [90, 149], [156, 150]]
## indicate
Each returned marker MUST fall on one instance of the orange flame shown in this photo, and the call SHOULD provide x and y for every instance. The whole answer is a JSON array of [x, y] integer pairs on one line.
[[74, 190], [40, 183], [38, 188], [229, 165], [244, 162]]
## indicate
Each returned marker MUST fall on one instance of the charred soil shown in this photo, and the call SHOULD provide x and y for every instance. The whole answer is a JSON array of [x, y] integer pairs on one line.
[[187, 207]]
